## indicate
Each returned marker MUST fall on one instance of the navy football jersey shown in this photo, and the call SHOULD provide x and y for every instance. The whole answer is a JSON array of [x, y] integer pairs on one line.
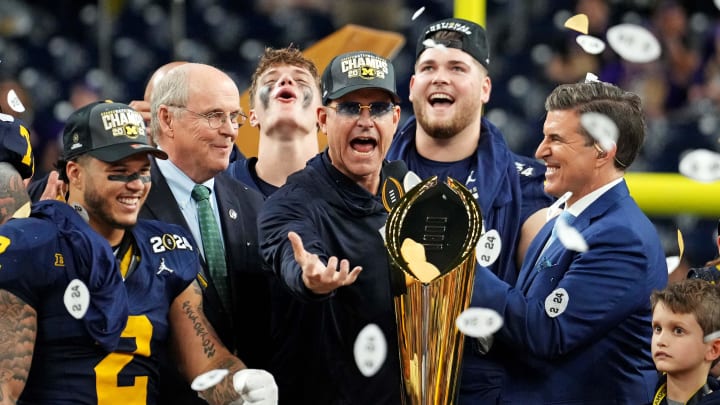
[[110, 355]]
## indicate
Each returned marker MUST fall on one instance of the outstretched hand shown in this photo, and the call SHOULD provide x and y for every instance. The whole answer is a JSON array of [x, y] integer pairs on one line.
[[318, 277]]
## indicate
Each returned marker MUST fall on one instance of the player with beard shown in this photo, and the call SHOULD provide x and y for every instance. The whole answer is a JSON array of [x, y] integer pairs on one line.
[[284, 95], [449, 137]]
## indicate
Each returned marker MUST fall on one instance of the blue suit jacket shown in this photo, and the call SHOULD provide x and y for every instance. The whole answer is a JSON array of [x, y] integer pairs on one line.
[[596, 349]]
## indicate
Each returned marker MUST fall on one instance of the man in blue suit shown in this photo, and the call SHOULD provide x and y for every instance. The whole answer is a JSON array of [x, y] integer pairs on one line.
[[577, 324]]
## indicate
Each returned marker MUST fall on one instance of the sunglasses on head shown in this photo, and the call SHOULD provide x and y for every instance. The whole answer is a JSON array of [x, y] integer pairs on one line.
[[350, 108]]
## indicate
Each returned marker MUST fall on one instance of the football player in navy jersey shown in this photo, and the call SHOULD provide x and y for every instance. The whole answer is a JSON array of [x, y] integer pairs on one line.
[[16, 166], [284, 96], [449, 137], [91, 297]]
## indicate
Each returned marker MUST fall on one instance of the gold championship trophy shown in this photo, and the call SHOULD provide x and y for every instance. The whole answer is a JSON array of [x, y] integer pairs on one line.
[[431, 233]]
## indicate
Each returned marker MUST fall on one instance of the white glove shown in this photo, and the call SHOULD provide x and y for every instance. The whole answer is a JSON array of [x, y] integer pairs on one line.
[[256, 387]]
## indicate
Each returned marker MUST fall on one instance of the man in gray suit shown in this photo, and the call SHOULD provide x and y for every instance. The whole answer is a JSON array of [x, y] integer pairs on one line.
[[195, 112]]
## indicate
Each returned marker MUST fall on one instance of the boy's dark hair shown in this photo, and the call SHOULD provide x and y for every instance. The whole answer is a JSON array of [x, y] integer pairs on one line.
[[692, 296]]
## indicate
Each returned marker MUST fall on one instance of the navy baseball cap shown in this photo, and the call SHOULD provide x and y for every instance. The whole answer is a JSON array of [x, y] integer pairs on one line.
[[473, 39], [15, 145], [107, 131], [357, 70]]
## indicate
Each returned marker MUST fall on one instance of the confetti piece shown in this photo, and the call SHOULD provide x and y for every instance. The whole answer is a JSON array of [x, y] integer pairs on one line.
[[414, 254], [601, 128], [410, 180], [429, 43], [713, 335], [479, 322], [579, 23], [14, 102], [370, 350], [590, 44], [554, 209], [681, 242], [208, 379], [418, 13], [633, 43], [591, 77], [570, 237], [700, 165], [672, 263]]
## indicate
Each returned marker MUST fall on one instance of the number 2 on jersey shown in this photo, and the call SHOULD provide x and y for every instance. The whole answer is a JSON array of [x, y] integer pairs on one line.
[[108, 370]]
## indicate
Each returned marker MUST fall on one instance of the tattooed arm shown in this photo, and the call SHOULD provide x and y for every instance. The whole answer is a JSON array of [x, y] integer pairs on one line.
[[198, 347], [18, 328], [13, 194]]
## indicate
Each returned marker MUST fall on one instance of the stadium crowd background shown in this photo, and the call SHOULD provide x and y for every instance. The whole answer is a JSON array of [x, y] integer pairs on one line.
[[61, 54]]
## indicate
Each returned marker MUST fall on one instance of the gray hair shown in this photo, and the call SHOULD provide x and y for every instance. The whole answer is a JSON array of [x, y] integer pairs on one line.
[[171, 90]]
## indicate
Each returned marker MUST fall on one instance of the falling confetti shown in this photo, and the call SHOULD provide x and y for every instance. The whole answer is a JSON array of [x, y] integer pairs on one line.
[[633, 43], [208, 379], [681, 242], [414, 254], [418, 13], [579, 23], [554, 209], [429, 43], [370, 350], [570, 237], [700, 165], [591, 77], [410, 180], [479, 322], [590, 44], [601, 128], [672, 263], [713, 335], [14, 102]]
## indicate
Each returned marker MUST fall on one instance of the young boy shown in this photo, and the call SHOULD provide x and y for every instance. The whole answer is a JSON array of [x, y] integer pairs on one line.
[[686, 342]]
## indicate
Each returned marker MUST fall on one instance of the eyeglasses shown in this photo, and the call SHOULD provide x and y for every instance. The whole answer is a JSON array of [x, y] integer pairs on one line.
[[217, 119], [351, 109]]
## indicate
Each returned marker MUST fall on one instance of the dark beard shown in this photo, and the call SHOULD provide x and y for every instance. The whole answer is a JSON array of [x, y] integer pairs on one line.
[[441, 132], [98, 209], [445, 130]]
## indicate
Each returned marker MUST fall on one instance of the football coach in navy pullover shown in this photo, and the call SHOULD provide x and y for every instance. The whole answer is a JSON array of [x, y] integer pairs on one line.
[[319, 235]]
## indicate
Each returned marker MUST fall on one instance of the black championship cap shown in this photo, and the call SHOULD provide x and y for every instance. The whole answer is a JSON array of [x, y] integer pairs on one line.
[[473, 39], [357, 70], [107, 131], [15, 145]]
